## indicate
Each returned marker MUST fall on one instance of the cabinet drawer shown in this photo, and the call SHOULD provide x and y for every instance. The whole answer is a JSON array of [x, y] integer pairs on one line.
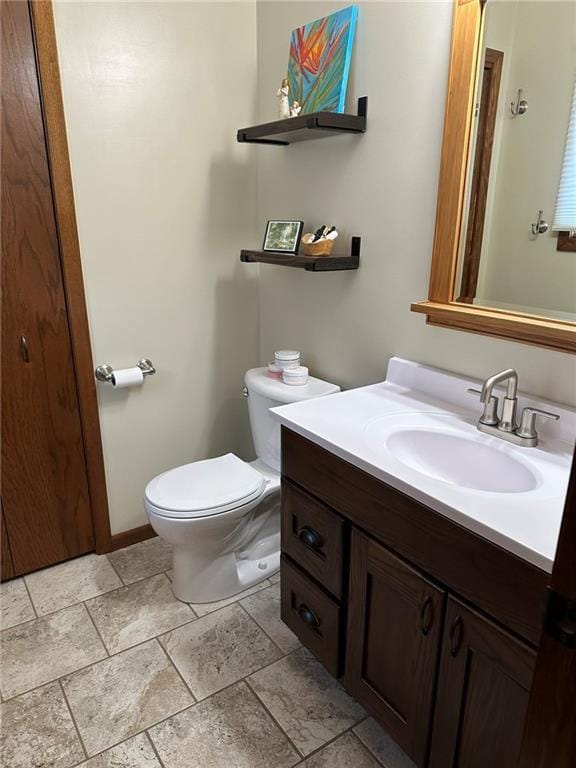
[[313, 535], [312, 615]]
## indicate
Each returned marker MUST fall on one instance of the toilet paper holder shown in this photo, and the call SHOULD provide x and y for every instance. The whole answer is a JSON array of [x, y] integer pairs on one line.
[[106, 372]]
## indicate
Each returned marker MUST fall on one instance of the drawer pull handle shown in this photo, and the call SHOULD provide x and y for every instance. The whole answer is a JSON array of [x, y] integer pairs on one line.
[[456, 632], [310, 538], [427, 616], [308, 616]]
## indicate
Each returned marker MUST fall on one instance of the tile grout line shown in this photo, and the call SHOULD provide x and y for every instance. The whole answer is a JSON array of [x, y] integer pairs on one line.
[[143, 578], [305, 757], [76, 728], [285, 653], [264, 706], [367, 748], [280, 651], [111, 564], [237, 599], [137, 733], [152, 637], [29, 598], [350, 730], [173, 665], [96, 630], [147, 734], [244, 679], [81, 669], [217, 693]]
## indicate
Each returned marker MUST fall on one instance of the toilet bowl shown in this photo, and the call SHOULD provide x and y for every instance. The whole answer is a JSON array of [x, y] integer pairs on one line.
[[222, 515]]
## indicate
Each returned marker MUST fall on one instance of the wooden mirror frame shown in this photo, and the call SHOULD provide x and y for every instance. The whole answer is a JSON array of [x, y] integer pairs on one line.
[[441, 309]]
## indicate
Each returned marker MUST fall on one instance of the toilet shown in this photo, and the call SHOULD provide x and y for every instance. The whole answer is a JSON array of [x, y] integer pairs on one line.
[[222, 515]]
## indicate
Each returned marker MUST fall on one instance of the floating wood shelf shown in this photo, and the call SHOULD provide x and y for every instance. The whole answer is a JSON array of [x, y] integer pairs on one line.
[[309, 263], [305, 127]]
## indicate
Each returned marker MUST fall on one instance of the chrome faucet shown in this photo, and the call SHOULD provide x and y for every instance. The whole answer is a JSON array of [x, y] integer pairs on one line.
[[506, 426]]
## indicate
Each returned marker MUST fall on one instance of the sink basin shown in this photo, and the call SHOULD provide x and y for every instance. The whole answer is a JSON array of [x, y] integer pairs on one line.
[[446, 448]]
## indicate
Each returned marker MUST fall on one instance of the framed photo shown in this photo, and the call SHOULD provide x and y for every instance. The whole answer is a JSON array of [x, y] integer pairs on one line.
[[283, 236]]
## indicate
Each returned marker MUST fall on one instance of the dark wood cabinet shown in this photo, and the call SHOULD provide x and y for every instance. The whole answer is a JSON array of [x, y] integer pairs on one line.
[[394, 628], [483, 691], [431, 627]]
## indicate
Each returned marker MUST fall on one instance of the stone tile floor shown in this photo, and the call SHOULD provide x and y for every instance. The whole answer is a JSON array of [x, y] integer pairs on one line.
[[102, 667]]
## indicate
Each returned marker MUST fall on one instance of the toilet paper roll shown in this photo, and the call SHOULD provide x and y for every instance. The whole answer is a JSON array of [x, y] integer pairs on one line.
[[127, 377]]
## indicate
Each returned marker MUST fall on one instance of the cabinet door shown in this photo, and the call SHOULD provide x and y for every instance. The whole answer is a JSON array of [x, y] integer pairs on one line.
[[483, 689], [394, 625]]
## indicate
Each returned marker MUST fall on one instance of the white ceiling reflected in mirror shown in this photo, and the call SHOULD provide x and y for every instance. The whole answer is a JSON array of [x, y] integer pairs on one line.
[[517, 249]]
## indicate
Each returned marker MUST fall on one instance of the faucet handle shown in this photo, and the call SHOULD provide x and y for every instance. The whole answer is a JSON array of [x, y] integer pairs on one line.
[[527, 426], [490, 413]]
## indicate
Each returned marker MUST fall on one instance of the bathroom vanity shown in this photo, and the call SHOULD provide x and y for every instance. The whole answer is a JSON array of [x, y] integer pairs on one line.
[[409, 588]]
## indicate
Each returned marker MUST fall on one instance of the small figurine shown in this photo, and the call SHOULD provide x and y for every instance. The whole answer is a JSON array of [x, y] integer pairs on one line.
[[295, 109], [283, 100]]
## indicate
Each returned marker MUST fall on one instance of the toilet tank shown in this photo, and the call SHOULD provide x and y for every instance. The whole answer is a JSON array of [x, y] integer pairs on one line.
[[264, 393]]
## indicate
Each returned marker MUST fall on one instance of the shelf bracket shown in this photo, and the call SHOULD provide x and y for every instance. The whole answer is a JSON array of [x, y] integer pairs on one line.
[[242, 139], [325, 264]]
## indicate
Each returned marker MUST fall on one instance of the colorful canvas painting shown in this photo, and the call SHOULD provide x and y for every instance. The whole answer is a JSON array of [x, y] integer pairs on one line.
[[319, 62]]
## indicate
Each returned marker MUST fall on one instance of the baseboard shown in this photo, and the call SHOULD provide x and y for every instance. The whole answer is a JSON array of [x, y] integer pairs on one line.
[[133, 536]]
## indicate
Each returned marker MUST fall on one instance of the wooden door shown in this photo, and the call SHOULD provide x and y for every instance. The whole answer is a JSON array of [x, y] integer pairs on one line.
[[483, 690], [550, 731], [45, 490], [394, 629]]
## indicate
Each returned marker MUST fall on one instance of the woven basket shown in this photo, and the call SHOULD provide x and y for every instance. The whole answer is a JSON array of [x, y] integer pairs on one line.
[[321, 248]]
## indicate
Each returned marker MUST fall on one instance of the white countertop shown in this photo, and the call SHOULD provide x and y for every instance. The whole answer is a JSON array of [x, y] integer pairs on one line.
[[525, 523]]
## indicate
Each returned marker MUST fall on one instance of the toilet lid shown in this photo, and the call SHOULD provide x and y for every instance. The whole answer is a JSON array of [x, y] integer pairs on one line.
[[205, 487]]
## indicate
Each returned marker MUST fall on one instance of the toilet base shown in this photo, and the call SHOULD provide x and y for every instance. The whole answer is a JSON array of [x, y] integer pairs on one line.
[[207, 578], [197, 581]]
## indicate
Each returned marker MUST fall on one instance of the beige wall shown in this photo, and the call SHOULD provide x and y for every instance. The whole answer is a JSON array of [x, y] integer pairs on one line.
[[381, 186], [540, 55], [154, 93]]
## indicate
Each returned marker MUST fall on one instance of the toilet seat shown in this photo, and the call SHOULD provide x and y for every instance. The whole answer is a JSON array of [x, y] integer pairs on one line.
[[205, 488]]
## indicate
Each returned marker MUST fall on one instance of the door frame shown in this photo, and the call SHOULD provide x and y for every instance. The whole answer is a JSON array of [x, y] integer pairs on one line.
[[550, 728], [487, 113], [44, 34]]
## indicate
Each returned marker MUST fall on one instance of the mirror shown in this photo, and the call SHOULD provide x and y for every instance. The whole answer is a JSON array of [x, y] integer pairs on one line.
[[509, 255], [504, 257]]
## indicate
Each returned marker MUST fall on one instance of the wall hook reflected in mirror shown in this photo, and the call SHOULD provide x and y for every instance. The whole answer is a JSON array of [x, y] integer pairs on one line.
[[541, 225], [520, 106]]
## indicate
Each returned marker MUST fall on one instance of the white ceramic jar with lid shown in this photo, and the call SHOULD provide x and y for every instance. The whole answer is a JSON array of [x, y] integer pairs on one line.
[[295, 376], [287, 358]]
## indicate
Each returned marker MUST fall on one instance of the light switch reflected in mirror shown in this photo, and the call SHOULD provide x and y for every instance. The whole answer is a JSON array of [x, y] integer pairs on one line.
[[521, 179]]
